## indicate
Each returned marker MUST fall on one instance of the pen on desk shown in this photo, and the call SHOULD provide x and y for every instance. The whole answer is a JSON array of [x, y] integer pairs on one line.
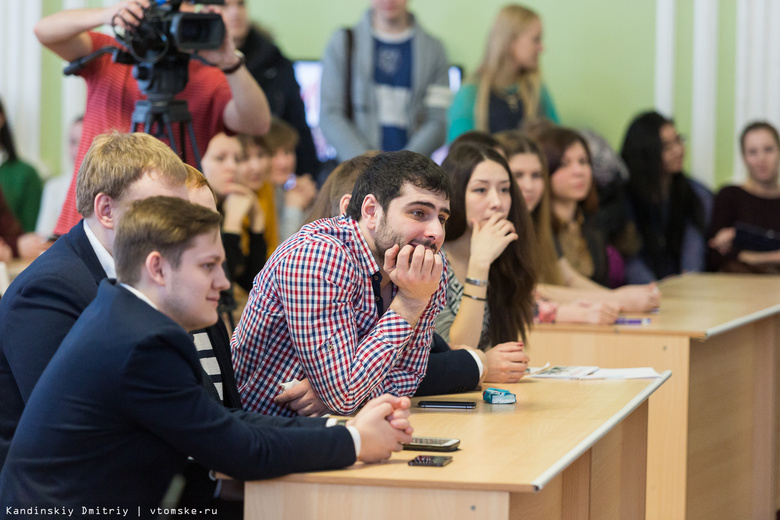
[[632, 321]]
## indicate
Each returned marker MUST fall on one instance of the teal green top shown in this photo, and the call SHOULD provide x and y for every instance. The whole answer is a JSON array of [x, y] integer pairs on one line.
[[461, 112], [22, 188]]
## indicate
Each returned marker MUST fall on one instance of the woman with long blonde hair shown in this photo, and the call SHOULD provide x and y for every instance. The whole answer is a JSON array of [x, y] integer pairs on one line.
[[507, 89]]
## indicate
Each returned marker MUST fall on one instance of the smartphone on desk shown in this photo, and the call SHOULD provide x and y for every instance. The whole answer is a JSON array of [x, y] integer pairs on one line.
[[447, 404], [430, 460], [432, 444]]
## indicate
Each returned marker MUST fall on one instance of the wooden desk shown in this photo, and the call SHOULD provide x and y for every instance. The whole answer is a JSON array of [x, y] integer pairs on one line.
[[566, 449], [712, 432], [15, 267]]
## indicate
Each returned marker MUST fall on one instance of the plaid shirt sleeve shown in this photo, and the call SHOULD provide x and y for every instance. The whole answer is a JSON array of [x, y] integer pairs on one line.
[[323, 293], [414, 359]]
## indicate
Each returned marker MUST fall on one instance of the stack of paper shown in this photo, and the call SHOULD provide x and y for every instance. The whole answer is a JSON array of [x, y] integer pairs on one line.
[[591, 372]]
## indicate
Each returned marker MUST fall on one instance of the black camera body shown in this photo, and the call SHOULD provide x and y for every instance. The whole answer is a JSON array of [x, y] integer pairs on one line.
[[159, 49], [165, 29], [161, 44]]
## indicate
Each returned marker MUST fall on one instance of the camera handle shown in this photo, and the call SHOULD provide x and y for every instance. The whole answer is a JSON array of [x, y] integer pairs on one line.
[[76, 65]]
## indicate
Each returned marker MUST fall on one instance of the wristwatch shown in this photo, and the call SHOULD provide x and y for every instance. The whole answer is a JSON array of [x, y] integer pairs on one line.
[[238, 65]]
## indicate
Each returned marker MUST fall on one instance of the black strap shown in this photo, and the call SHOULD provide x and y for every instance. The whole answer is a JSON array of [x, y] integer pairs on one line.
[[376, 285], [348, 90]]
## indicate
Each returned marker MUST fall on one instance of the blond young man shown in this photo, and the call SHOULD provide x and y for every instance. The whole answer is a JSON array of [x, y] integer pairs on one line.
[[43, 302]]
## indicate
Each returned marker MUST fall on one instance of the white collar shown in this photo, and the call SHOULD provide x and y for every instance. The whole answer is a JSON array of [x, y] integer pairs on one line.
[[393, 37], [138, 293], [103, 256]]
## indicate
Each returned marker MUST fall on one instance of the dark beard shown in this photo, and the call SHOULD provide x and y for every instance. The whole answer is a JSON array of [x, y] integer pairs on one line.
[[386, 239]]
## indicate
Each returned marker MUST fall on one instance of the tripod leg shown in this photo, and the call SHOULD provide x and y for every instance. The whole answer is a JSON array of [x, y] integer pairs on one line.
[[183, 142], [171, 137], [195, 150]]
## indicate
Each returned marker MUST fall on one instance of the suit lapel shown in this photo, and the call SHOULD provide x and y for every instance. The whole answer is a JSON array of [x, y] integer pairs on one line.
[[77, 239]]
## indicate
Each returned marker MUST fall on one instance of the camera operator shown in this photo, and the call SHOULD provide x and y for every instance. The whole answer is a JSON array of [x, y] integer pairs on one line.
[[220, 98]]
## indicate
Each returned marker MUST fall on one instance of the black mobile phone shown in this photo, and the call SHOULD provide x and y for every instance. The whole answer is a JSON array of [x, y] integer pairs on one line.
[[432, 444], [430, 460], [447, 404]]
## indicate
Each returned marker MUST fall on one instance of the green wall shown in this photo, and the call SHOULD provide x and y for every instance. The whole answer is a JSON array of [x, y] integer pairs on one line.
[[599, 72], [52, 138], [599, 60], [53, 128], [727, 64]]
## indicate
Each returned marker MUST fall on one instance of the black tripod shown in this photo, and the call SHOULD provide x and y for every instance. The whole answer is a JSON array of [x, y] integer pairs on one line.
[[160, 80], [165, 111]]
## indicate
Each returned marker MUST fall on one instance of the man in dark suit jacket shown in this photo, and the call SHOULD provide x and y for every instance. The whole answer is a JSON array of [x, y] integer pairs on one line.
[[44, 301], [450, 371], [121, 406]]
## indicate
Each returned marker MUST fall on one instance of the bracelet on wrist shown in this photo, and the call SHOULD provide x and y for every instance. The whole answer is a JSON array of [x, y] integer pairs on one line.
[[478, 298], [238, 65], [477, 282]]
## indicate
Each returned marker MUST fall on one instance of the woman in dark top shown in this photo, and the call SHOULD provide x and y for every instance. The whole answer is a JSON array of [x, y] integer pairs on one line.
[[671, 210], [756, 202], [19, 181], [10, 231]]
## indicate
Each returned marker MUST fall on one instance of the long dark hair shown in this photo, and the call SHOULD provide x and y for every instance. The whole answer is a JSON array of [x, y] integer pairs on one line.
[[512, 277], [554, 142], [6, 139], [642, 152], [515, 142]]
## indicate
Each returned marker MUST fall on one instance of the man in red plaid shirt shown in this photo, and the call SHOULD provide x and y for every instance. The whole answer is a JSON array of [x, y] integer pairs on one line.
[[349, 303]]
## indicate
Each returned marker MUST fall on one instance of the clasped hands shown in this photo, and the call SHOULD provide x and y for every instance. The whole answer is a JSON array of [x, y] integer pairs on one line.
[[383, 422]]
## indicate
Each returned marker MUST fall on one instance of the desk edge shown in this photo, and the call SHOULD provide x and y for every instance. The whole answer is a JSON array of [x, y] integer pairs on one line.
[[587, 443], [744, 320]]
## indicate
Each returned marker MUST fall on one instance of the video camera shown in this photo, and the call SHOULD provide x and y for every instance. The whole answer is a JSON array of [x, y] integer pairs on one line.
[[160, 46], [159, 49], [164, 30]]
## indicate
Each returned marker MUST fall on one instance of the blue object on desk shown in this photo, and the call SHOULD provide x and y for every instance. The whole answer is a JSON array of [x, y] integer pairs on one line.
[[498, 396], [632, 321]]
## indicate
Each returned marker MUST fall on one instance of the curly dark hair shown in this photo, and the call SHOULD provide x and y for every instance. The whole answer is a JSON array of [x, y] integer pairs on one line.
[[386, 174]]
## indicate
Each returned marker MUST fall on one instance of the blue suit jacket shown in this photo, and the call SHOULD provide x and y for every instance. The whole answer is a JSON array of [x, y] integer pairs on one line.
[[121, 406], [36, 313], [39, 309], [449, 371]]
